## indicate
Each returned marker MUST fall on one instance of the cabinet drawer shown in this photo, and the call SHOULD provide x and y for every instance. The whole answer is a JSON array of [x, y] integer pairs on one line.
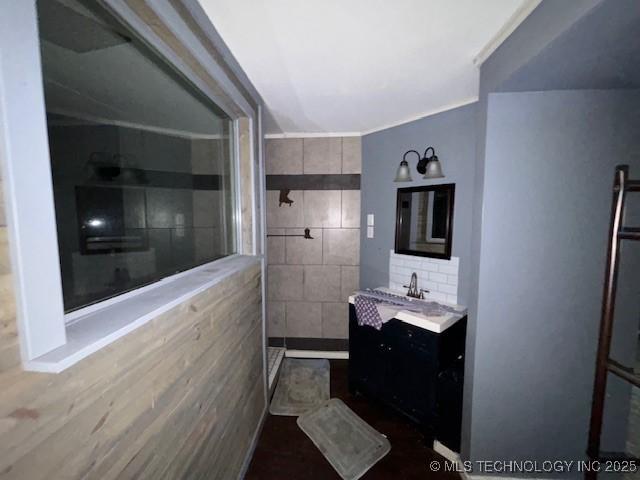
[[405, 332]]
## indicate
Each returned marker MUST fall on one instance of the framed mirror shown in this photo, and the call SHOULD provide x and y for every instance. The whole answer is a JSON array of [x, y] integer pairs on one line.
[[424, 220]]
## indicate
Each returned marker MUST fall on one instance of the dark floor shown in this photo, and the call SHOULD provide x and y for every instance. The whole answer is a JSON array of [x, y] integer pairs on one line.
[[284, 452]]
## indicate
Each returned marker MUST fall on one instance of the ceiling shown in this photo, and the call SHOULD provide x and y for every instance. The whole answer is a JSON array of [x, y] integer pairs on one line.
[[355, 66]]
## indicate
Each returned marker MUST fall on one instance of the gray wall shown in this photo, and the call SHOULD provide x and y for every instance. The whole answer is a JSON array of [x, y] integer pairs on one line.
[[548, 172], [553, 27], [543, 30], [600, 51], [533, 244], [452, 134]]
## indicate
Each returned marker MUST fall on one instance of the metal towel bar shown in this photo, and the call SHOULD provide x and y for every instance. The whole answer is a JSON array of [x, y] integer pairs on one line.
[[307, 235]]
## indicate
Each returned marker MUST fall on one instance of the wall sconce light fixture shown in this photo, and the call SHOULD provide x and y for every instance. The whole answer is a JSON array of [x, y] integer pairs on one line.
[[428, 166], [404, 172], [433, 168]]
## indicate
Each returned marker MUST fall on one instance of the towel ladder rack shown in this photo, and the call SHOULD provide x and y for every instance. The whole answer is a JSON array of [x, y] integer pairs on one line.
[[604, 362]]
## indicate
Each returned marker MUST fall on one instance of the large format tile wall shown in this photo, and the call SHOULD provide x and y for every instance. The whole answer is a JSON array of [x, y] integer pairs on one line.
[[309, 281]]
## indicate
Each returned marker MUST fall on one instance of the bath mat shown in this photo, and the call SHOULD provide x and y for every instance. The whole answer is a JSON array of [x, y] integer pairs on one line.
[[303, 385], [349, 444]]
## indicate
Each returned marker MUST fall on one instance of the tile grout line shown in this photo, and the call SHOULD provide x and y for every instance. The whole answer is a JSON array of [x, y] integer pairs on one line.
[[322, 319], [303, 167]]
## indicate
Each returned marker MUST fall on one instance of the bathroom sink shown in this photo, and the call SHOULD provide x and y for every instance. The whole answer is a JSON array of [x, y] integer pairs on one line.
[[435, 323]]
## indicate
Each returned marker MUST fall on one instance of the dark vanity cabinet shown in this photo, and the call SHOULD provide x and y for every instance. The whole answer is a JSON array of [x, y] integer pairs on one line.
[[417, 372]]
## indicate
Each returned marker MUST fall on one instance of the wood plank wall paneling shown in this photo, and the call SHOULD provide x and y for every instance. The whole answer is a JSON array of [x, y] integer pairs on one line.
[[246, 185], [9, 348], [181, 397]]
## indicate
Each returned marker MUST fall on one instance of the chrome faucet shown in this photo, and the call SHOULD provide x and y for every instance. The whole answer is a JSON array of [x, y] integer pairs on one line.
[[413, 288]]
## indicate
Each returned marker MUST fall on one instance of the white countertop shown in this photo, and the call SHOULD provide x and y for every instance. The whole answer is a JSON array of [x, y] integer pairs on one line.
[[434, 324]]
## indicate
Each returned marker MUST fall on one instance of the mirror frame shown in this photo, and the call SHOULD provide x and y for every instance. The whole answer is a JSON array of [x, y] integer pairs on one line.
[[450, 188]]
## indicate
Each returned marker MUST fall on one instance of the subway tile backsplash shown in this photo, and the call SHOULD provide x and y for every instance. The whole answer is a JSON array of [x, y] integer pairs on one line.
[[437, 275]]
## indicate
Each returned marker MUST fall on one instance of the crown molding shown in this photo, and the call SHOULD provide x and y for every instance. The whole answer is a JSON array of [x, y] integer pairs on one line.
[[312, 135], [420, 116], [450, 106], [507, 29]]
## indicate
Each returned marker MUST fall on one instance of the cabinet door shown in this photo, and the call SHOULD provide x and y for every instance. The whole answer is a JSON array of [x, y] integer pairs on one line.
[[366, 358], [449, 405], [409, 379]]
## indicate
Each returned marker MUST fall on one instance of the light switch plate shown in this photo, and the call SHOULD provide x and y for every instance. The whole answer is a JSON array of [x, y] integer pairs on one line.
[[369, 232], [370, 219]]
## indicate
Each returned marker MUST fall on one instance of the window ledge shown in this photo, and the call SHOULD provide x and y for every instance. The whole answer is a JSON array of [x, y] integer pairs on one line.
[[99, 328]]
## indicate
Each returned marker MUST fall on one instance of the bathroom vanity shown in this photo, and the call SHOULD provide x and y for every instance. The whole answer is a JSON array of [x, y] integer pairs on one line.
[[414, 364]]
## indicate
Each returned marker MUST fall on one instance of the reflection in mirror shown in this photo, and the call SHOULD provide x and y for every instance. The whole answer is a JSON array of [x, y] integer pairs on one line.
[[424, 220]]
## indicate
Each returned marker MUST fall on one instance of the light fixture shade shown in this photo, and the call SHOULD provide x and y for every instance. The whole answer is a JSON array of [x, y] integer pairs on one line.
[[404, 172], [434, 168]]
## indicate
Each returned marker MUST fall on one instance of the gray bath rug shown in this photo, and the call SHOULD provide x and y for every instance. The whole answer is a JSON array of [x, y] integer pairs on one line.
[[303, 385], [349, 444]]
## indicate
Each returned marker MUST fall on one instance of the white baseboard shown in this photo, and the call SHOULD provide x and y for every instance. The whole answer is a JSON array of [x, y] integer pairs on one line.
[[446, 452], [316, 354], [454, 457]]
